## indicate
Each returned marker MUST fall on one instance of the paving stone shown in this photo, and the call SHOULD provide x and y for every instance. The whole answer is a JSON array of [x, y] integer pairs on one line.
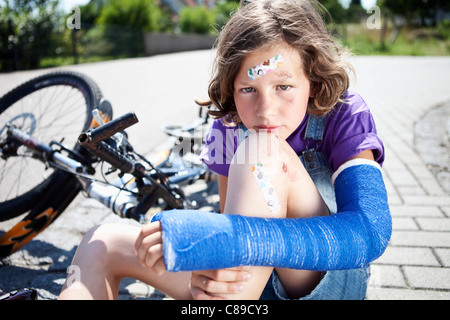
[[408, 256], [445, 210], [404, 224], [427, 277], [415, 211], [432, 187], [434, 224], [406, 294], [386, 276], [403, 178], [416, 190], [420, 239], [443, 256], [443, 200]]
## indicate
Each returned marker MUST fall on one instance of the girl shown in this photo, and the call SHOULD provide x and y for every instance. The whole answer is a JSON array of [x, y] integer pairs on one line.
[[286, 127]]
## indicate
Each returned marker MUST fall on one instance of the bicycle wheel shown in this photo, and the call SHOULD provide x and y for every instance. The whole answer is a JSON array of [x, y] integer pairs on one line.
[[56, 106]]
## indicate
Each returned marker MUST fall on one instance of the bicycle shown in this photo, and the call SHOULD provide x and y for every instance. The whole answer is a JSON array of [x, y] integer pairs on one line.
[[71, 106]]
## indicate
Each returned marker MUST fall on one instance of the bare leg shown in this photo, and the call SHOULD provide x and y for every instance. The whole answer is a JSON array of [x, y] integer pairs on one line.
[[296, 193], [106, 256]]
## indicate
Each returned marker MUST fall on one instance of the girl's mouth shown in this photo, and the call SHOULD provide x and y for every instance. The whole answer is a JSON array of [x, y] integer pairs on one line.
[[267, 128]]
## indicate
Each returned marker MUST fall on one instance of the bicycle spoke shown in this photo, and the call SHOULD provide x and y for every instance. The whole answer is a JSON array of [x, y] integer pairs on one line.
[[59, 112]]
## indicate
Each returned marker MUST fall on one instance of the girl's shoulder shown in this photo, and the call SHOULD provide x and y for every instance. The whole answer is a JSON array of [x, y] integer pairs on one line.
[[352, 104], [222, 124], [350, 129], [349, 116]]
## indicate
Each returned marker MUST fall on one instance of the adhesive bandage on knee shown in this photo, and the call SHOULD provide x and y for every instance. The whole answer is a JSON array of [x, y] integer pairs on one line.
[[267, 188], [352, 238]]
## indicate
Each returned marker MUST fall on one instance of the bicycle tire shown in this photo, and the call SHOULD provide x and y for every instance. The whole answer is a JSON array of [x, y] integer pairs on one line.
[[46, 200]]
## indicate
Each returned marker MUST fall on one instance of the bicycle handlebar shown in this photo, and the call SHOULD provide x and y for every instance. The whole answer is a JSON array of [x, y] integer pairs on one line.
[[95, 136], [93, 141]]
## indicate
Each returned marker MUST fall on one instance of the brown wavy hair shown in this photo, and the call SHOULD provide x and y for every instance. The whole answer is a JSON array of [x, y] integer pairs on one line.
[[260, 24]]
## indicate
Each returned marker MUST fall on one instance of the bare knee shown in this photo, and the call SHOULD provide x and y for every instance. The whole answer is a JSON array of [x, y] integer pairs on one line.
[[103, 246], [93, 246], [258, 180], [296, 192], [263, 147]]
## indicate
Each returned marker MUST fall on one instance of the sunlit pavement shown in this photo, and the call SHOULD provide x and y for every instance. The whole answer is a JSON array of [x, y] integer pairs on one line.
[[399, 90]]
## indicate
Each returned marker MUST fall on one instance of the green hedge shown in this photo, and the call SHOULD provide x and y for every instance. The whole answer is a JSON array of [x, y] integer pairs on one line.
[[204, 20]]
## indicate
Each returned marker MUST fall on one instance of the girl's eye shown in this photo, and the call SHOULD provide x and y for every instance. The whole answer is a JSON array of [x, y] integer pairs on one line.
[[247, 90], [284, 88]]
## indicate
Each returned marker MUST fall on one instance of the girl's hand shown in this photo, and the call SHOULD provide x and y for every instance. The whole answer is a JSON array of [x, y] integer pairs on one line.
[[218, 284], [149, 247]]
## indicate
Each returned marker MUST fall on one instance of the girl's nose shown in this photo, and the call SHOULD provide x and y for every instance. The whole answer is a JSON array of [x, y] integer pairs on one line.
[[266, 106]]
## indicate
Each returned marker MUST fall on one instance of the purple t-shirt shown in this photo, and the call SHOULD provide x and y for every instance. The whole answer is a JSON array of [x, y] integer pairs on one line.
[[349, 130]]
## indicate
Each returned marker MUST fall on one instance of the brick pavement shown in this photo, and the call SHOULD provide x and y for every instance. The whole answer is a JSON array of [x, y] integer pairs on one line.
[[399, 91]]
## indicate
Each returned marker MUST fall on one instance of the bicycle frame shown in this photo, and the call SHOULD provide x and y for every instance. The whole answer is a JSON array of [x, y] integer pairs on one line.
[[151, 183], [70, 106]]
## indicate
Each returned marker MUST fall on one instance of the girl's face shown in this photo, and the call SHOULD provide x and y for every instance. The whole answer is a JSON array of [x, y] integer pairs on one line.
[[271, 90]]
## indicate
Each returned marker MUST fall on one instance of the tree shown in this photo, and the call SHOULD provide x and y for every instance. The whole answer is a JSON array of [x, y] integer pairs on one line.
[[90, 13], [144, 15], [26, 32], [196, 20], [416, 12], [337, 12], [355, 11], [124, 22], [224, 9]]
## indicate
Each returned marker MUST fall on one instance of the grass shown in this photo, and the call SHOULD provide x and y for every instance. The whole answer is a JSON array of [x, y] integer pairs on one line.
[[65, 61], [410, 42]]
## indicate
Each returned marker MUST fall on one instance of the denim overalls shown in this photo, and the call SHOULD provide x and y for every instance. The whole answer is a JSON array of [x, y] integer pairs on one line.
[[335, 284]]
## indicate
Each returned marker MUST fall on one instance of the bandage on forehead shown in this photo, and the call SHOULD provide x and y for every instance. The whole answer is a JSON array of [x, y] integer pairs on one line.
[[352, 238], [266, 67]]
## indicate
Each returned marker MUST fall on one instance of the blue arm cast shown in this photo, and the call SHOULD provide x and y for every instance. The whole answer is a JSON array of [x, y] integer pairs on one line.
[[352, 238]]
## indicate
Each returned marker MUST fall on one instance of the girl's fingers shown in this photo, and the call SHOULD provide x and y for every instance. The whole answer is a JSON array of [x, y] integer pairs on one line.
[[239, 274], [200, 294], [160, 267], [147, 230], [149, 246], [217, 287]]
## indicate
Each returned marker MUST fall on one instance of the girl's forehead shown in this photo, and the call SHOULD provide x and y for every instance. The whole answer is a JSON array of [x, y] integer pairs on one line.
[[268, 52], [273, 57]]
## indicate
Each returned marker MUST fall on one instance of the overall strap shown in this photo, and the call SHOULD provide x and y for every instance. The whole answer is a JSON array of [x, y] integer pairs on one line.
[[313, 133], [315, 163], [315, 128], [242, 133]]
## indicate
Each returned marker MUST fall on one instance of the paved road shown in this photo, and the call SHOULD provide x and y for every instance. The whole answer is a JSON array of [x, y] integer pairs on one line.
[[400, 91]]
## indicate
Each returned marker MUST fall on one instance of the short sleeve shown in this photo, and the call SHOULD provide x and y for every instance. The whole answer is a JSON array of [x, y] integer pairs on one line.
[[351, 130], [220, 146]]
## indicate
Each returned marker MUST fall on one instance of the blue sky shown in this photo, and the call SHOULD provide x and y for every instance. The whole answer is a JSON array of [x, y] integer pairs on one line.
[[68, 4]]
